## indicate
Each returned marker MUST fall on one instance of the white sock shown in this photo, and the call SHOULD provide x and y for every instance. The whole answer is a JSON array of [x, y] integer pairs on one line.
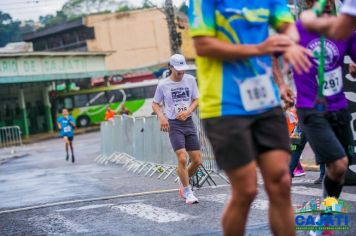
[[187, 189]]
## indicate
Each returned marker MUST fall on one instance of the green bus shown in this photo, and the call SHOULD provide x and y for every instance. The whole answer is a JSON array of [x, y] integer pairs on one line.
[[89, 106]]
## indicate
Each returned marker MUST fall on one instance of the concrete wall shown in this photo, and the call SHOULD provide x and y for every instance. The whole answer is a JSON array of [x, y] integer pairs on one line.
[[137, 38]]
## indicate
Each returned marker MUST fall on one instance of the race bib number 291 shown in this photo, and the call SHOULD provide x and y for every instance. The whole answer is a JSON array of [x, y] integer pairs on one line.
[[257, 93]]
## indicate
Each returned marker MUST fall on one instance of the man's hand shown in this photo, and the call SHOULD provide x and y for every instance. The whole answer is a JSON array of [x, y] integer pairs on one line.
[[275, 44], [352, 69], [182, 116], [308, 19], [298, 57], [287, 94], [164, 124]]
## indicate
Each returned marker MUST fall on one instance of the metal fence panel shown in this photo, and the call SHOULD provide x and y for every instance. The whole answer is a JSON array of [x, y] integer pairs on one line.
[[141, 139], [10, 136]]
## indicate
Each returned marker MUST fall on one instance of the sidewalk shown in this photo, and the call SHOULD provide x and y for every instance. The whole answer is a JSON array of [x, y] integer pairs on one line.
[[7, 154], [46, 136]]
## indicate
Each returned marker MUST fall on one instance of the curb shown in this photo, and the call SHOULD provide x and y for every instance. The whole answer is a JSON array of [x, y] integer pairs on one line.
[[15, 156], [54, 135]]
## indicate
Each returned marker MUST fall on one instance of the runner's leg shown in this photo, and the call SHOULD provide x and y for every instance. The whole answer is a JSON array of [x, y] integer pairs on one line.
[[66, 144], [274, 169], [327, 147], [182, 169], [71, 148], [195, 158], [243, 191]]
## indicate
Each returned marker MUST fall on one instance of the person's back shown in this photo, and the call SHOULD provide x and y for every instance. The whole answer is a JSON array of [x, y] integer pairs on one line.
[[240, 103]]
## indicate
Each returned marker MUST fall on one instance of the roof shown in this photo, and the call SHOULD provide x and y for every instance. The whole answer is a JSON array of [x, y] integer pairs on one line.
[[46, 54], [53, 29]]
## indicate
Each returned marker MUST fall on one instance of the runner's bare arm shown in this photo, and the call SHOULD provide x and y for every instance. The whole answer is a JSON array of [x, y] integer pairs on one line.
[[162, 119], [208, 46], [295, 54], [59, 125], [193, 106], [338, 28], [185, 114], [287, 94]]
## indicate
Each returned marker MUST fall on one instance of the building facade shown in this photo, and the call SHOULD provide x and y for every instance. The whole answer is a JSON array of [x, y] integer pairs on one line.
[[135, 38]]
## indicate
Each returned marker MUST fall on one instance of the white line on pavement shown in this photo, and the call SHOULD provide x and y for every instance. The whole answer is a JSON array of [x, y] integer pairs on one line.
[[152, 213], [258, 204], [52, 221], [301, 190], [100, 199], [88, 207]]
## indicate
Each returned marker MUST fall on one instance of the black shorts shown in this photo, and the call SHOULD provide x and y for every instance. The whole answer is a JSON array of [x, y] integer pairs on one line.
[[328, 133], [70, 138], [183, 135], [238, 140]]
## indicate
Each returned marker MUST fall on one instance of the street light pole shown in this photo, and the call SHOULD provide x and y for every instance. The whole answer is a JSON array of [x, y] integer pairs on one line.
[[173, 34]]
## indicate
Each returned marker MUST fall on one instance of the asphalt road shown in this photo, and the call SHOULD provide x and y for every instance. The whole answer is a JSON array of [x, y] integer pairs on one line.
[[42, 194]]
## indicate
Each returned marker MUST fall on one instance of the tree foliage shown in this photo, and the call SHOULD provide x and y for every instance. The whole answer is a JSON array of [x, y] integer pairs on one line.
[[75, 8], [9, 29]]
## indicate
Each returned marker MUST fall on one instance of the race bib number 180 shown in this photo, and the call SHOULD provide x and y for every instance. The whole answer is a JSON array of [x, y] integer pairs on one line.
[[257, 93], [333, 82]]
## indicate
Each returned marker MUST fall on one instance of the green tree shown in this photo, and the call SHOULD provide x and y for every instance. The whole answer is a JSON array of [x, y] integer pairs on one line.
[[184, 8], [75, 8], [59, 18], [9, 29]]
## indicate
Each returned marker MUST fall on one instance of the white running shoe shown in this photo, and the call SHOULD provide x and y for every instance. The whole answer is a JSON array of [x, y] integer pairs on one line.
[[190, 198]]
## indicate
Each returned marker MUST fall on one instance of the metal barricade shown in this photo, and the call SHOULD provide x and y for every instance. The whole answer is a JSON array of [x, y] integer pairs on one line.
[[138, 144], [10, 136]]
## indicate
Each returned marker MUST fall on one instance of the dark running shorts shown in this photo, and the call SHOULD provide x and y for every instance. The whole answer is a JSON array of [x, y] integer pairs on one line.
[[183, 134], [328, 133], [70, 138], [238, 140]]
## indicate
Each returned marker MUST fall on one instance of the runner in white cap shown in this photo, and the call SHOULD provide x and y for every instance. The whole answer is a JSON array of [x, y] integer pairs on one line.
[[179, 94]]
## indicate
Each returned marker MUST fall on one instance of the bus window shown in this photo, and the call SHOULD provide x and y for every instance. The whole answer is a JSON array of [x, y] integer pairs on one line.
[[115, 96], [81, 100], [68, 103], [97, 98], [135, 93], [150, 91]]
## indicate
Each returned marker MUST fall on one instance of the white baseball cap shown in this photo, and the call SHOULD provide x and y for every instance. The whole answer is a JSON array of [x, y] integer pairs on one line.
[[178, 62]]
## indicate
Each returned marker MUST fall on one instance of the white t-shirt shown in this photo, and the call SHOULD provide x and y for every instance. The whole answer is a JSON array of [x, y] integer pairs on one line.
[[176, 96], [349, 7]]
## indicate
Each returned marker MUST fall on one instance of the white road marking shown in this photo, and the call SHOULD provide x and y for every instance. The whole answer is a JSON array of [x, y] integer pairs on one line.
[[301, 190], [88, 207], [51, 222], [258, 204], [100, 199], [149, 212], [219, 198]]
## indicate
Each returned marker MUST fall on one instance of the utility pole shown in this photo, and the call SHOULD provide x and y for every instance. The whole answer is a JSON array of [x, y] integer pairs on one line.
[[174, 36]]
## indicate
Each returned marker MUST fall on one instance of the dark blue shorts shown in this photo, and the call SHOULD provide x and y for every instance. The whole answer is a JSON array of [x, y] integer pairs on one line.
[[328, 133], [70, 138], [183, 135]]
